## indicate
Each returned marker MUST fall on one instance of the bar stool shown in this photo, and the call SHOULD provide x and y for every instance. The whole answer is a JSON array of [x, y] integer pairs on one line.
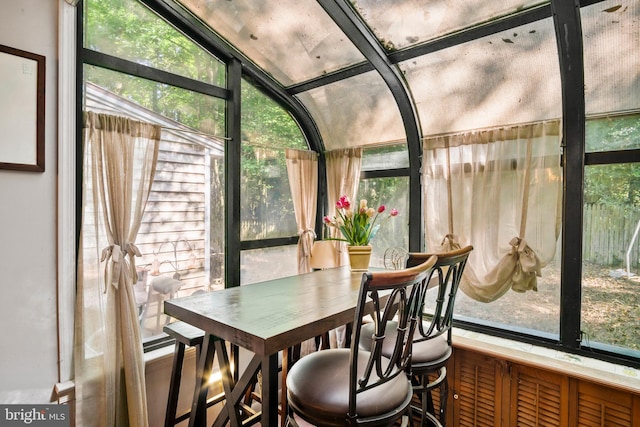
[[185, 335]]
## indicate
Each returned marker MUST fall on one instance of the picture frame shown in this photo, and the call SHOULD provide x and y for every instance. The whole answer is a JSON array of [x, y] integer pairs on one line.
[[22, 98]]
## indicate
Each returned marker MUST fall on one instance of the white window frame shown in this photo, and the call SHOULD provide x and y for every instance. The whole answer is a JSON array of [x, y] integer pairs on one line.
[[66, 233]]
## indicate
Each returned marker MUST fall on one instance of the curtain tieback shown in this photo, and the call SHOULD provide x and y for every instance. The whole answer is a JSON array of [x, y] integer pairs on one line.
[[117, 257], [452, 242], [527, 258], [307, 236]]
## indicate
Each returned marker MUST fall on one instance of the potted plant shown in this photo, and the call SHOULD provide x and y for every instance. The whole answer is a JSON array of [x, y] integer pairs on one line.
[[358, 227]]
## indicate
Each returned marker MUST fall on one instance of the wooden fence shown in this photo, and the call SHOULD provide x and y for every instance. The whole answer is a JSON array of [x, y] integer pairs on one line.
[[608, 232]]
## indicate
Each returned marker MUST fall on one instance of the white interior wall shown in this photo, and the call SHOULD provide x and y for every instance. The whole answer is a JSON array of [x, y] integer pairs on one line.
[[29, 347]]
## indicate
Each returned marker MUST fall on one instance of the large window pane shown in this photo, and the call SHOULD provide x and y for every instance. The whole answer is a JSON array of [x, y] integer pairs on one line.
[[266, 205], [613, 133], [178, 106], [611, 256], [128, 30], [536, 313], [266, 210], [181, 237], [386, 157], [258, 265], [611, 213], [394, 194]]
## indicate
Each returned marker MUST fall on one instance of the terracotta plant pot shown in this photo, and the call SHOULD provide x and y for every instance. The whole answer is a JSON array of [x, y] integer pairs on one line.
[[359, 257]]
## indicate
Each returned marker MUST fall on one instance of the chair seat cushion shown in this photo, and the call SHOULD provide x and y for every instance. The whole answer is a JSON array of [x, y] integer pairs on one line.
[[318, 389], [432, 351]]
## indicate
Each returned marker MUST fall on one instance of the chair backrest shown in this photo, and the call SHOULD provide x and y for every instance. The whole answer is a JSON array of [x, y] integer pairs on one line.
[[395, 258], [379, 292], [446, 275]]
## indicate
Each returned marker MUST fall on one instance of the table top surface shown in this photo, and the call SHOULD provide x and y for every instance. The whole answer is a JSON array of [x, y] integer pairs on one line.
[[273, 315]]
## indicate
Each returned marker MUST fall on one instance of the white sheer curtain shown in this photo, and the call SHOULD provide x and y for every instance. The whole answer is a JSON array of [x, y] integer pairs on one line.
[[343, 177], [119, 164], [500, 191], [302, 169]]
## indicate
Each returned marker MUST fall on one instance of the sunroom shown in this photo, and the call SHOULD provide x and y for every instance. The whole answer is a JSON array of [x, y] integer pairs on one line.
[[505, 125], [510, 126]]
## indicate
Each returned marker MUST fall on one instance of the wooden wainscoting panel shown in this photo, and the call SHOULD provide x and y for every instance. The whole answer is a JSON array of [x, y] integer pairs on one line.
[[538, 398], [477, 390], [599, 406]]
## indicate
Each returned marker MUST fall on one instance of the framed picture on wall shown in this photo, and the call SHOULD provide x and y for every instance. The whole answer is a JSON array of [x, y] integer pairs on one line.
[[22, 80]]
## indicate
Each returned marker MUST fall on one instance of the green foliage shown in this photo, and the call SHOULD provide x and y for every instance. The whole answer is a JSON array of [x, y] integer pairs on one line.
[[613, 184], [613, 133], [144, 38], [127, 29], [264, 122]]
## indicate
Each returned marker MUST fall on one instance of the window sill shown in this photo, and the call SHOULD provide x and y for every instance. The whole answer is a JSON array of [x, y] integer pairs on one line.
[[605, 373], [159, 358]]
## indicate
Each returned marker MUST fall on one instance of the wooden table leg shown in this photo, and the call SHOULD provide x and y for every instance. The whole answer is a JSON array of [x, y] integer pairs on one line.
[[269, 390], [228, 385], [287, 359], [198, 415], [235, 391]]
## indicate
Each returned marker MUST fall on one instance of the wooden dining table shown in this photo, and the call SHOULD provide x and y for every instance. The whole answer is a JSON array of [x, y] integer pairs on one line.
[[264, 318]]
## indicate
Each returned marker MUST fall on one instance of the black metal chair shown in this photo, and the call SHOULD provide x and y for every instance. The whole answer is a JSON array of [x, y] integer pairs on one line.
[[432, 341], [341, 387]]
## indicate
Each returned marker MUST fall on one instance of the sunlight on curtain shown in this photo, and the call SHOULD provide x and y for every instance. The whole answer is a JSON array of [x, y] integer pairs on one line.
[[499, 190], [302, 168], [343, 177], [119, 165]]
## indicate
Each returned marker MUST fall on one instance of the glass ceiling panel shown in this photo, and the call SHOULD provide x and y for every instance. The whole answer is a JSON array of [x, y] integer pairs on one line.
[[409, 22], [611, 32], [293, 40], [506, 78], [356, 111]]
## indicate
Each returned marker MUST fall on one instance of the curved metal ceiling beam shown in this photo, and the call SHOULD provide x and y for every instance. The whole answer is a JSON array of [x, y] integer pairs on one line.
[[205, 37], [351, 24]]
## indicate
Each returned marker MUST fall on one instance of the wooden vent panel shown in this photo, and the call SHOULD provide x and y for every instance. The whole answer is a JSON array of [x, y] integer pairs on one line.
[[603, 407], [478, 391], [540, 398]]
